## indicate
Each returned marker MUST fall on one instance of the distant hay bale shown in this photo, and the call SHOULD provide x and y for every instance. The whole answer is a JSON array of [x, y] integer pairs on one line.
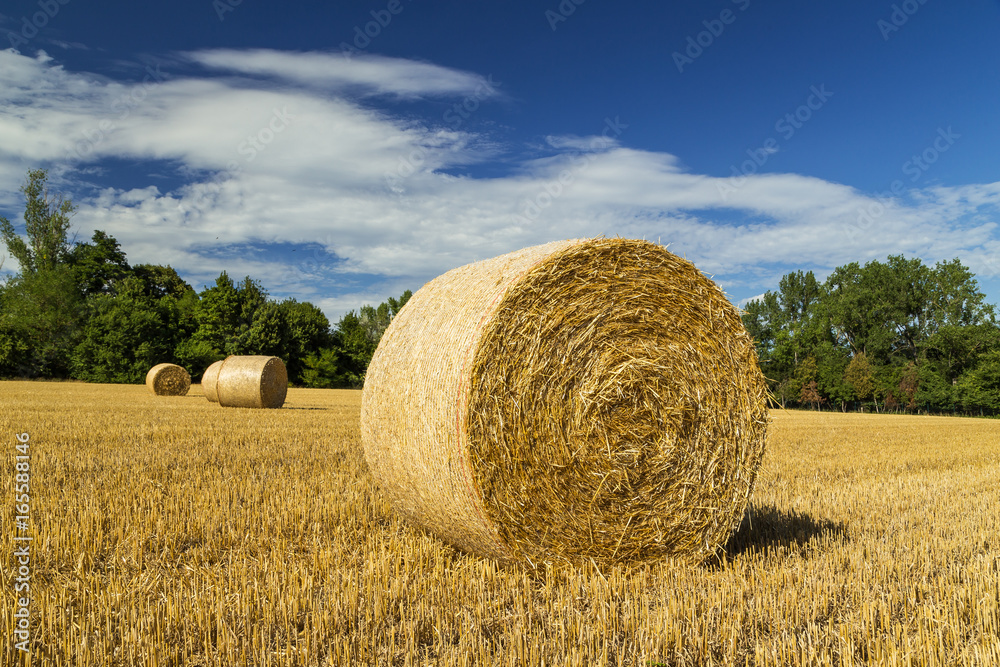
[[585, 399], [209, 381], [256, 381], [168, 380]]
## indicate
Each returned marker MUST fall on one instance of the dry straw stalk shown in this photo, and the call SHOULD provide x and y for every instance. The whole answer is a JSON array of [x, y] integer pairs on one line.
[[255, 381], [584, 399], [210, 380], [168, 380]]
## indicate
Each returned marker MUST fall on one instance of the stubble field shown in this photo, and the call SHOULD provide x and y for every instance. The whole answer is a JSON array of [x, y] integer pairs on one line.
[[170, 531]]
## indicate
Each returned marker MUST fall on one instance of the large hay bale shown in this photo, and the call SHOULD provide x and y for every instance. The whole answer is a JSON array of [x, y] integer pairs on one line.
[[168, 380], [210, 381], [585, 399], [255, 381]]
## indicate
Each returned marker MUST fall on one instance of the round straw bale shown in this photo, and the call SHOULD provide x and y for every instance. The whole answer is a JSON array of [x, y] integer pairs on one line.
[[209, 381], [585, 399], [255, 381], [168, 380]]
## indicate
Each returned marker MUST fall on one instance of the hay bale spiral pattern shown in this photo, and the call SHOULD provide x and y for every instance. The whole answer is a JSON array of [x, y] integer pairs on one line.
[[168, 380], [586, 399]]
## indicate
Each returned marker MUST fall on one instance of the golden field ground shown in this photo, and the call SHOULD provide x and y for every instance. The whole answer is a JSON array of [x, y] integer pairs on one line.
[[170, 531]]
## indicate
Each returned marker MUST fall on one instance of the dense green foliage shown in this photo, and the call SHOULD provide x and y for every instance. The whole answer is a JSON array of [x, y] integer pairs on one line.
[[898, 335], [81, 311]]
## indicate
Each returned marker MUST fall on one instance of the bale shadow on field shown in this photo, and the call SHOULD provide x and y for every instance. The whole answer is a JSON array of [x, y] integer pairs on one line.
[[767, 528]]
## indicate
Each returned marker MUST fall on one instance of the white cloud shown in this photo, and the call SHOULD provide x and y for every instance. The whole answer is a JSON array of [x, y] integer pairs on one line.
[[297, 159], [743, 302], [371, 74]]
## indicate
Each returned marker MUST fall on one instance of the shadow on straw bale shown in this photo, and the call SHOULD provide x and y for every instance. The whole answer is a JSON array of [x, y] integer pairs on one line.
[[768, 528]]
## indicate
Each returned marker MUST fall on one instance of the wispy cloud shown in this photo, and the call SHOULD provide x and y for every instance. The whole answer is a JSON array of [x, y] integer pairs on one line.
[[370, 74], [291, 156]]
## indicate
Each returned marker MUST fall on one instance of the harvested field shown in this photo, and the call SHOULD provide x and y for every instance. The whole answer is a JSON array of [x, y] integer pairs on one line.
[[169, 532]]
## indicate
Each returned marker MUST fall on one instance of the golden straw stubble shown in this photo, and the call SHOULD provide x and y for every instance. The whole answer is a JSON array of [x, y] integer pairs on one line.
[[586, 399], [252, 381], [168, 380]]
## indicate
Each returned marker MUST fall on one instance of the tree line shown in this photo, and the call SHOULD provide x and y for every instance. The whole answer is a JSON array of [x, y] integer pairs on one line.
[[897, 335], [81, 311], [886, 336]]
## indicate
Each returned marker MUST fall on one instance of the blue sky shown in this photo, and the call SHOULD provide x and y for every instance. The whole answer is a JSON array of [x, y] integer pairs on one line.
[[342, 154]]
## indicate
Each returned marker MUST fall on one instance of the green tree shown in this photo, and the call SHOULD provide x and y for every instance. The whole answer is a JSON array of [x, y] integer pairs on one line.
[[859, 377], [857, 318], [934, 392], [954, 348], [909, 384], [40, 323], [806, 374], [355, 348], [787, 326], [99, 266], [160, 281], [903, 291], [979, 389], [955, 298], [306, 331], [375, 320], [324, 370], [13, 347], [831, 362], [798, 293], [241, 319], [46, 222], [760, 319], [42, 307], [265, 331], [353, 342], [219, 317], [126, 334], [788, 390]]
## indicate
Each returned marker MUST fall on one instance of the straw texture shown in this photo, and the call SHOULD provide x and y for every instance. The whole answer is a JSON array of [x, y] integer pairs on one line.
[[254, 381], [585, 399], [168, 380], [210, 380]]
